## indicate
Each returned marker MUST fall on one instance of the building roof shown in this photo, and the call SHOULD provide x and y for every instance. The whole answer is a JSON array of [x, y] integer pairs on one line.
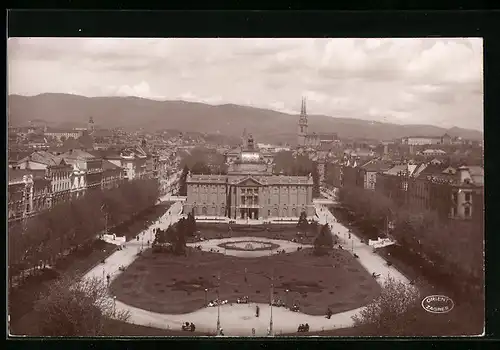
[[433, 151], [106, 153], [260, 179], [77, 154], [400, 168], [43, 157], [61, 131], [422, 137], [15, 156], [377, 165], [107, 165]]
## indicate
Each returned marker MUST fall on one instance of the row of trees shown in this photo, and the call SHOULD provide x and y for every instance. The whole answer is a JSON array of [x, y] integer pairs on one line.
[[204, 161], [454, 247], [372, 208], [67, 226]]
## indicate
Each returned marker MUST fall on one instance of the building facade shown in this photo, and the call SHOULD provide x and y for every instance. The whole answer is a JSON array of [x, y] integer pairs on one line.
[[250, 190], [56, 169]]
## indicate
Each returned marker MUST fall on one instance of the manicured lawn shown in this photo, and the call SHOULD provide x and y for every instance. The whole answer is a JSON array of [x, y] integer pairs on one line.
[[275, 231], [166, 283]]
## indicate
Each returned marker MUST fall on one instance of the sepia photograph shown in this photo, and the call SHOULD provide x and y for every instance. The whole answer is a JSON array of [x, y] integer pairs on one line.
[[245, 187]]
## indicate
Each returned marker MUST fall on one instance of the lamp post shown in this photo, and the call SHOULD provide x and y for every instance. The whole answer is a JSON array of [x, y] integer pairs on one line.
[[286, 299], [272, 295], [114, 306], [206, 301], [218, 303]]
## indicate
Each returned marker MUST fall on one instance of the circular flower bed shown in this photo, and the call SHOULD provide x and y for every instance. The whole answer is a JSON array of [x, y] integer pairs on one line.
[[249, 245]]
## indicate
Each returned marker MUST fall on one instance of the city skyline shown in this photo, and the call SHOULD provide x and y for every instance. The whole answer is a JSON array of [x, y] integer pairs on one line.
[[402, 81]]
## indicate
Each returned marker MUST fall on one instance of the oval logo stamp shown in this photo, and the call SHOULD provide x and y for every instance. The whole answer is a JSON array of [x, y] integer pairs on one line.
[[437, 304]]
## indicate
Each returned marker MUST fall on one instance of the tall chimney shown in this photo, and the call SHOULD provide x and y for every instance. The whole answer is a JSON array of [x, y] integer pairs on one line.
[[386, 148]]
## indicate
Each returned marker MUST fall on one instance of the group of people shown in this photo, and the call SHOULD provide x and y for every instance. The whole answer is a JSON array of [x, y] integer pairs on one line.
[[188, 327], [303, 328]]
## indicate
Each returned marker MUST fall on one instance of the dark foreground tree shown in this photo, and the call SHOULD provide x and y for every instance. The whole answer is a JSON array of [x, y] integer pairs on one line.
[[77, 308], [393, 312]]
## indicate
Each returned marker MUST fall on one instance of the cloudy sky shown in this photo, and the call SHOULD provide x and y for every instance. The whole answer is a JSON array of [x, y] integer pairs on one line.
[[403, 81]]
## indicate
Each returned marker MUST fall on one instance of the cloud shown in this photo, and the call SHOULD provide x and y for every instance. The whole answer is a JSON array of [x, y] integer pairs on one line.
[[431, 80]]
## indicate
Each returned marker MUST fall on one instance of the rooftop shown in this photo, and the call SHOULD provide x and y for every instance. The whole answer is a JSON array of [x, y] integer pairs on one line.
[[77, 154], [43, 157], [107, 165]]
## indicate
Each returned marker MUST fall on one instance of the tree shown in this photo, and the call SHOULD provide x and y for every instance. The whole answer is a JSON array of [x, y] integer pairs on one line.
[[393, 312], [323, 241], [190, 225], [303, 224], [76, 308], [175, 235], [182, 181], [201, 167]]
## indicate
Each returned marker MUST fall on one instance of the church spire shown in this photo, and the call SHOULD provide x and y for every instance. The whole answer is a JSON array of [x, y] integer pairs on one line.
[[303, 109]]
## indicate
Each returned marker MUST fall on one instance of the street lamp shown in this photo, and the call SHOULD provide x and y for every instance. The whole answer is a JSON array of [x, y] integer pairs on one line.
[[286, 291], [218, 303], [206, 301], [272, 295], [114, 306]]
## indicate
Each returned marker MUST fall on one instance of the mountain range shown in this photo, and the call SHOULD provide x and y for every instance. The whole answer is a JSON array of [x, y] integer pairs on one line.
[[133, 113]]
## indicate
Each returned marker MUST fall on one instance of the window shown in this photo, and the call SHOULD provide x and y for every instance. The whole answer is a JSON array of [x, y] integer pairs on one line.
[[467, 196], [467, 212]]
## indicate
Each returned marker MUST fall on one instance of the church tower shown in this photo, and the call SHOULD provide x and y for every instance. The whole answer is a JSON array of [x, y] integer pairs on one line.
[[90, 127], [302, 127]]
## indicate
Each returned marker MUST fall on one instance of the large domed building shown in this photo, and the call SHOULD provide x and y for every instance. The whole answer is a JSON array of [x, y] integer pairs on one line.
[[249, 190]]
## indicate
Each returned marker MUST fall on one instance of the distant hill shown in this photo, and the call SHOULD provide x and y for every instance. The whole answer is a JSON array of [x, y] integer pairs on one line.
[[132, 113]]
